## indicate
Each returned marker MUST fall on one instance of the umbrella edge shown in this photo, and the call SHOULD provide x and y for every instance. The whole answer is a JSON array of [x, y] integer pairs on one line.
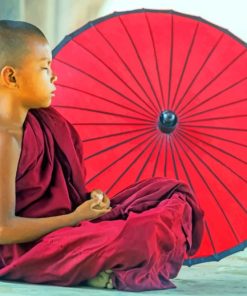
[[88, 25], [216, 257]]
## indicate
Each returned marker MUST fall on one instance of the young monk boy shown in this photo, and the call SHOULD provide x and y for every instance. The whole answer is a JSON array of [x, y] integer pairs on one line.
[[53, 231], [27, 82]]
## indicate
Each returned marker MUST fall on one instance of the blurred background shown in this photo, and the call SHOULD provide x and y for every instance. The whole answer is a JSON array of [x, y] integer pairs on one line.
[[57, 18]]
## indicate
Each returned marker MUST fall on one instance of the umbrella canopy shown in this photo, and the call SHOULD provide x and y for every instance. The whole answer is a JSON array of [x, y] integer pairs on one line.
[[160, 93]]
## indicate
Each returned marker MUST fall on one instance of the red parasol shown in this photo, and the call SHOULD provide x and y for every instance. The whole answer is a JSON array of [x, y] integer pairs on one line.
[[160, 93]]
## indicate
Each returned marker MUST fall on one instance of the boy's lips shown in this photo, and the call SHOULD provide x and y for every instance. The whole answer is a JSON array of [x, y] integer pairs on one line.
[[53, 92]]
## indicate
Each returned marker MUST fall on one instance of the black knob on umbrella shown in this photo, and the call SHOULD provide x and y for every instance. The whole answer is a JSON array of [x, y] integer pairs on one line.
[[167, 121]]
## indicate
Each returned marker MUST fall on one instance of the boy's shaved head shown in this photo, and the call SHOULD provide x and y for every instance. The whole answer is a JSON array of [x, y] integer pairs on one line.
[[14, 39]]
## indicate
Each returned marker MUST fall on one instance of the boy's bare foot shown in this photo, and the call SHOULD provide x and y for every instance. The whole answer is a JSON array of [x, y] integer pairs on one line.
[[102, 280]]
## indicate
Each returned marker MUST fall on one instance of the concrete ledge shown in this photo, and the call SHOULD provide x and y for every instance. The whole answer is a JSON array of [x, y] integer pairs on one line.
[[227, 277]]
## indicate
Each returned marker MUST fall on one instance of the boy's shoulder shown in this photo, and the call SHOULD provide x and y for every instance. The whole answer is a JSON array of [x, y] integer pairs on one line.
[[10, 133], [10, 151]]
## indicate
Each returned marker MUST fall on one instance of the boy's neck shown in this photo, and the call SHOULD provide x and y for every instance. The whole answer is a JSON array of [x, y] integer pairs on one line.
[[11, 113]]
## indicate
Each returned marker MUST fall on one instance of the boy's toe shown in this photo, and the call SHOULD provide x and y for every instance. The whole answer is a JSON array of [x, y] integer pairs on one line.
[[109, 285]]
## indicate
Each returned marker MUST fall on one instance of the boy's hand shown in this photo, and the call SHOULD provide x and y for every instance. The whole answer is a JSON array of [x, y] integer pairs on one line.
[[99, 194], [87, 211]]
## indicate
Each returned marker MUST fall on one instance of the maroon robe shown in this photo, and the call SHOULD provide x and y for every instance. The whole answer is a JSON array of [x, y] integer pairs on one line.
[[152, 226]]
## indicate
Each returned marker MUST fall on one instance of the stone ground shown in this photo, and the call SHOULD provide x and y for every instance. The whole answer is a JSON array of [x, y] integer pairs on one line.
[[227, 277]]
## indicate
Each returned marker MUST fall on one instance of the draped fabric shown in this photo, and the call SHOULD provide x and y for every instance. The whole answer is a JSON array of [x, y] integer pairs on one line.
[[153, 224]]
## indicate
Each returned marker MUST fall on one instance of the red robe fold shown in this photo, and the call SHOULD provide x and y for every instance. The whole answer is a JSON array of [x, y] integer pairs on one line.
[[152, 226]]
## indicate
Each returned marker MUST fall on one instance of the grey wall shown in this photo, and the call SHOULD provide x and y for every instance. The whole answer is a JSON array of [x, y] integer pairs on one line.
[[55, 18]]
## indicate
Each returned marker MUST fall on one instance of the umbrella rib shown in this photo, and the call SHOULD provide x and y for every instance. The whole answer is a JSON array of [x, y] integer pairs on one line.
[[118, 159], [102, 112], [156, 59], [220, 149], [181, 162], [210, 237], [146, 162], [189, 181], [119, 144], [218, 160], [109, 123], [107, 100], [141, 63], [158, 156], [112, 71], [216, 118], [185, 64], [173, 160], [199, 71], [130, 165], [215, 127], [103, 83], [216, 137], [165, 167], [213, 96], [113, 135], [217, 178], [171, 63], [213, 109], [208, 187], [212, 80], [129, 70]]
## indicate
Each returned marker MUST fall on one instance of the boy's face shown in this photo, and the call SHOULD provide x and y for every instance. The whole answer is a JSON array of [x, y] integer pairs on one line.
[[35, 78]]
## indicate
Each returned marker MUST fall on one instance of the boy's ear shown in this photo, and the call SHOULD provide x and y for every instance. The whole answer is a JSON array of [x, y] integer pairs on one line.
[[7, 75]]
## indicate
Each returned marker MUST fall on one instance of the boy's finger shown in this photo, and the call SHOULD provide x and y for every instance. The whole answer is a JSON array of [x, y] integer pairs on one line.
[[100, 206], [102, 211], [95, 203], [108, 202]]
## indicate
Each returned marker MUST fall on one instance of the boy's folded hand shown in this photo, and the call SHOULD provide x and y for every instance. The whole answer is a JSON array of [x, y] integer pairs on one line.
[[99, 194], [88, 210]]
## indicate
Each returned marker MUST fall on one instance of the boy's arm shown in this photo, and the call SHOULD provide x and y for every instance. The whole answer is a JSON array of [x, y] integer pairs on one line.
[[15, 229]]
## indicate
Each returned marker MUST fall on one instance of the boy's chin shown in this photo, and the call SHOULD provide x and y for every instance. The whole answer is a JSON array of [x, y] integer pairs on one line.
[[44, 105]]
